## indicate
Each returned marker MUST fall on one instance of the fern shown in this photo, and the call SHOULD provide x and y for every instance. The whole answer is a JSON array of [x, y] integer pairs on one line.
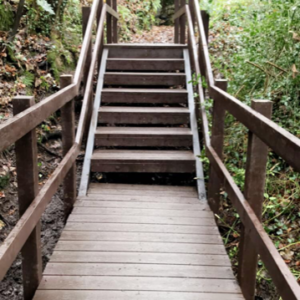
[[27, 78]]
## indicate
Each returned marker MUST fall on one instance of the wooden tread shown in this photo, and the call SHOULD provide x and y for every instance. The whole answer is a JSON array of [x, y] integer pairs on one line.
[[143, 64], [144, 115], [143, 161], [145, 51], [143, 137], [129, 252], [144, 79], [139, 96]]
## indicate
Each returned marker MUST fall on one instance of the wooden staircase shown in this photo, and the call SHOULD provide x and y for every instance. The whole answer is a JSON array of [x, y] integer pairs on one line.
[[142, 119]]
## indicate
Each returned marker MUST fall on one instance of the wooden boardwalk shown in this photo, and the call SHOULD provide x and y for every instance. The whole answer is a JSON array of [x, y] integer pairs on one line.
[[139, 242]]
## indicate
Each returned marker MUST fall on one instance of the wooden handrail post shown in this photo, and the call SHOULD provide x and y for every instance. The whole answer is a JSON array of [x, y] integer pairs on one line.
[[217, 142], [182, 21], [27, 178], [86, 10], [115, 23], [257, 157], [205, 20], [109, 24], [68, 138], [176, 31], [192, 11]]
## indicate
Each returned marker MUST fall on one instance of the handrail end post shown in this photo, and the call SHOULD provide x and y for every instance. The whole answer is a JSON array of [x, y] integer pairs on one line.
[[217, 141], [27, 178], [257, 157], [68, 138]]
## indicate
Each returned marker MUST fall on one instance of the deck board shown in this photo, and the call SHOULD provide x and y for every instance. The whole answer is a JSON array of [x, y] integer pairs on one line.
[[139, 242]]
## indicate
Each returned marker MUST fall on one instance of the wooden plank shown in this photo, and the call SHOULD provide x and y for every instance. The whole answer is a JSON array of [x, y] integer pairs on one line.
[[81, 269], [139, 257], [110, 187], [140, 220], [186, 199], [143, 137], [143, 115], [125, 295], [139, 155], [141, 205], [257, 158], [143, 161], [206, 227], [141, 237], [68, 137], [140, 64], [27, 178], [153, 96], [145, 51], [141, 212], [85, 175], [144, 79], [139, 283], [162, 247]]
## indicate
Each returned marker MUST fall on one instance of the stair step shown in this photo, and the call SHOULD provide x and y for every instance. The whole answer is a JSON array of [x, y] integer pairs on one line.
[[125, 161], [145, 51], [143, 115], [140, 96], [144, 79], [142, 64], [143, 137]]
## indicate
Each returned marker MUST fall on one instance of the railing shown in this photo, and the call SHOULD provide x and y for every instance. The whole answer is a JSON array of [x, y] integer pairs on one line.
[[20, 129], [263, 134]]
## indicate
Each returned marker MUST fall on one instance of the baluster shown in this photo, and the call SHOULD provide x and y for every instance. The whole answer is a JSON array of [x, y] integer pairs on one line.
[[85, 19], [115, 23], [182, 21], [27, 178], [68, 138], [257, 157], [109, 24], [217, 142], [176, 33]]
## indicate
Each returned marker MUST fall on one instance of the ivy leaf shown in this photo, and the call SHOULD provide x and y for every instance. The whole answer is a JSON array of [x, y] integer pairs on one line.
[[45, 6]]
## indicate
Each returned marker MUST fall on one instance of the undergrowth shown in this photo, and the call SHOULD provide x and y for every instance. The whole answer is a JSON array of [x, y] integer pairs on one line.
[[256, 46]]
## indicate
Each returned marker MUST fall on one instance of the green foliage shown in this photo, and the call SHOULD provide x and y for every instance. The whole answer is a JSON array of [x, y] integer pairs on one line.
[[6, 16], [27, 78], [137, 15], [59, 58], [45, 6], [4, 181], [256, 46]]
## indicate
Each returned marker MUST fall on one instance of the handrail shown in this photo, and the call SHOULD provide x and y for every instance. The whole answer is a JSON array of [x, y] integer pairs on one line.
[[26, 121], [281, 141]]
